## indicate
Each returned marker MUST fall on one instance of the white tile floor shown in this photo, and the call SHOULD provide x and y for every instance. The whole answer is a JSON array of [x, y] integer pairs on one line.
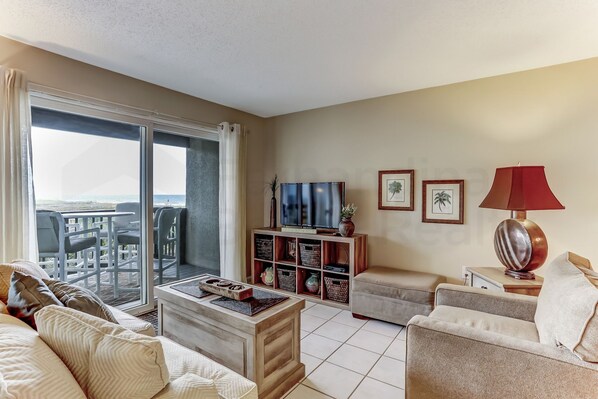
[[349, 358]]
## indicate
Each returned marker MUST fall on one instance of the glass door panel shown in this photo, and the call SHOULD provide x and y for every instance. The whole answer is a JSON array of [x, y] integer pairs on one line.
[[185, 182], [86, 173]]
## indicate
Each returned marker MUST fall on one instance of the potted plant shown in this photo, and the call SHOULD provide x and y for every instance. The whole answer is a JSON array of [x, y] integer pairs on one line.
[[273, 186], [346, 227]]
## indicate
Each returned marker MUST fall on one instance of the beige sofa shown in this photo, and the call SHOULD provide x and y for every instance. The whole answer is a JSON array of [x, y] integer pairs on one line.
[[29, 368], [484, 344]]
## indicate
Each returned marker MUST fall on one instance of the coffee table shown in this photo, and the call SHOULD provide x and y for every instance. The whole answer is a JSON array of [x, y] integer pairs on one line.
[[264, 348]]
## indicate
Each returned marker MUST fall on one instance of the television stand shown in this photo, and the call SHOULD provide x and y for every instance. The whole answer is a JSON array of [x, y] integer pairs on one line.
[[281, 250]]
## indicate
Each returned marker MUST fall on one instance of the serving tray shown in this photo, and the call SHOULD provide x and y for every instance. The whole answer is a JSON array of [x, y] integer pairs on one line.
[[224, 287]]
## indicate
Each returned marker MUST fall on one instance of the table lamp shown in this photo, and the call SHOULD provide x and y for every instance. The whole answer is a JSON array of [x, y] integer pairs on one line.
[[520, 243]]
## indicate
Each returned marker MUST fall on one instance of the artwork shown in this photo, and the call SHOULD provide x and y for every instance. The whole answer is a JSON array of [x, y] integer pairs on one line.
[[395, 190], [442, 201]]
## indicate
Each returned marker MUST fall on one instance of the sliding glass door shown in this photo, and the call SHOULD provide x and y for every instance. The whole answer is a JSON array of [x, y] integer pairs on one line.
[[125, 200]]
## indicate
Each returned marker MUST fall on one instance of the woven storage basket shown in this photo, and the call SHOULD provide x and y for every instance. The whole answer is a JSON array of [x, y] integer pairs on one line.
[[287, 279], [337, 289], [263, 248], [311, 254]]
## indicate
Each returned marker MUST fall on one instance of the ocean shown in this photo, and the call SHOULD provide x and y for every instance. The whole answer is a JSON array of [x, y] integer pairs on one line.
[[159, 199], [97, 202]]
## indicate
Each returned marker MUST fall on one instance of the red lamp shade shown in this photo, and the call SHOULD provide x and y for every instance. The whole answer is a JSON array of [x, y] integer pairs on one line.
[[521, 188]]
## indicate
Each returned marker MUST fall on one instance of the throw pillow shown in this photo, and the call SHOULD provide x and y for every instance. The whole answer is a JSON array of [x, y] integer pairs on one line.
[[27, 295], [21, 266], [81, 299], [579, 261], [29, 367], [566, 314], [107, 360]]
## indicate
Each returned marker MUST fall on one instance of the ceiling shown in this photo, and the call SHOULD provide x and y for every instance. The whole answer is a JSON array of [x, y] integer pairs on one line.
[[272, 57]]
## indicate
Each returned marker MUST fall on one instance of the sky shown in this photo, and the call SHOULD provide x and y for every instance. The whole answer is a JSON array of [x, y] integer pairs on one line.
[[71, 166]]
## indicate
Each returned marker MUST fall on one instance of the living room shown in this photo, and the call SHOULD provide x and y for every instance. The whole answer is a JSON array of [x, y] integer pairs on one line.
[[450, 92]]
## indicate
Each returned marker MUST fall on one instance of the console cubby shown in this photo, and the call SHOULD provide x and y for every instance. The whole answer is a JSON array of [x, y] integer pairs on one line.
[[348, 253], [286, 250], [258, 268]]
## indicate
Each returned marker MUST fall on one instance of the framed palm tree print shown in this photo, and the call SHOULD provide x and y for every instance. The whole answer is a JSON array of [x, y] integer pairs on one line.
[[442, 201], [395, 190]]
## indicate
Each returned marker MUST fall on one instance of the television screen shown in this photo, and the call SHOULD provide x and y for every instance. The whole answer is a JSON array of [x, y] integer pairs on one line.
[[289, 204], [312, 204]]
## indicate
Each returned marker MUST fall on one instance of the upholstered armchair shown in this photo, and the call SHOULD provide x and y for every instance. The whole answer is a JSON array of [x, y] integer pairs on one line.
[[485, 344]]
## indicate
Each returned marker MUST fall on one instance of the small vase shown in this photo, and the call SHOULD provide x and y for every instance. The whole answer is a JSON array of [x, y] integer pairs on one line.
[[346, 227], [273, 213], [313, 283]]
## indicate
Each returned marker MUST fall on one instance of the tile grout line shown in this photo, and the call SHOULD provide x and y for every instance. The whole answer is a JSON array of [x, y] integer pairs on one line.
[[345, 343], [328, 357]]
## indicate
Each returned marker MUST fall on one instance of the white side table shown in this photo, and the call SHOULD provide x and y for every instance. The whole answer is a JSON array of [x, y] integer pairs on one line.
[[495, 279]]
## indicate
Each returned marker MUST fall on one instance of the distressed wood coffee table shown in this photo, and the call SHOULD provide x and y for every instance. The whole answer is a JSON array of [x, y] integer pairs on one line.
[[264, 348]]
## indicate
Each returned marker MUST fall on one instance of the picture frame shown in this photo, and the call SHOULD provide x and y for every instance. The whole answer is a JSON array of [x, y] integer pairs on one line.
[[442, 201], [396, 190]]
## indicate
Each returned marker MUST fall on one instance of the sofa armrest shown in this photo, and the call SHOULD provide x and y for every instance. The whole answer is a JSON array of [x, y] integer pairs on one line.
[[132, 323], [189, 386], [506, 304], [450, 361]]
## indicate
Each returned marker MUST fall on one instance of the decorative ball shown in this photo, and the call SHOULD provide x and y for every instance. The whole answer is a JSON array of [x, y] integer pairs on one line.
[[267, 276]]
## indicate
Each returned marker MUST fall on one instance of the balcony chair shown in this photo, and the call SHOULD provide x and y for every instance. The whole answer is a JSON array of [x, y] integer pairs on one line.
[[126, 234], [54, 241], [167, 240]]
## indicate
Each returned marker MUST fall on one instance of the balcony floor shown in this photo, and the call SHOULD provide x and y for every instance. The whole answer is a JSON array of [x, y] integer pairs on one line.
[[129, 281]]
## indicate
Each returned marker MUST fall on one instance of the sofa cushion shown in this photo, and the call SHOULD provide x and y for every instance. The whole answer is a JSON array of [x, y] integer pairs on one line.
[[132, 323], [80, 299], [27, 295], [181, 361], [29, 368], [189, 386], [3, 308], [22, 266], [566, 311], [106, 359], [407, 285], [488, 322]]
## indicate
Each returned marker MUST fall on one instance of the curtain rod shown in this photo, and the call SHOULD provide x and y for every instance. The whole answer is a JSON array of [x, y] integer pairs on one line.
[[232, 127], [86, 101]]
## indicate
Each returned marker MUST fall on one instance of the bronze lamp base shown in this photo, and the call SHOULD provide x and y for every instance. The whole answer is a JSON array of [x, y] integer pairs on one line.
[[520, 245]]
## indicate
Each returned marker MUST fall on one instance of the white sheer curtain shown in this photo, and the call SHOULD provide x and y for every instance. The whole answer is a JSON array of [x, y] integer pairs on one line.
[[18, 235], [233, 143]]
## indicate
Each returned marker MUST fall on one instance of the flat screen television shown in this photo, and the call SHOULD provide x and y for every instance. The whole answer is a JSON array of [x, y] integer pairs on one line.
[[315, 205]]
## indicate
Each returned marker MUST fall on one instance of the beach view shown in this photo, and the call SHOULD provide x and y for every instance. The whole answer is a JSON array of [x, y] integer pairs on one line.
[[105, 203]]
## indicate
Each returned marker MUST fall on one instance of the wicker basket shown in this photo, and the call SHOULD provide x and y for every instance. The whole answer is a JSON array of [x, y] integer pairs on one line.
[[264, 248], [287, 279], [311, 254], [337, 289]]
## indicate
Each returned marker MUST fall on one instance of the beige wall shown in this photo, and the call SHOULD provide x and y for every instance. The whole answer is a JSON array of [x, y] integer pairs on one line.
[[462, 131], [73, 76]]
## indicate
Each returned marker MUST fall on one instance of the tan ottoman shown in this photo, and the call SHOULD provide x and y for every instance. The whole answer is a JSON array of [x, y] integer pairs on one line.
[[393, 295]]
